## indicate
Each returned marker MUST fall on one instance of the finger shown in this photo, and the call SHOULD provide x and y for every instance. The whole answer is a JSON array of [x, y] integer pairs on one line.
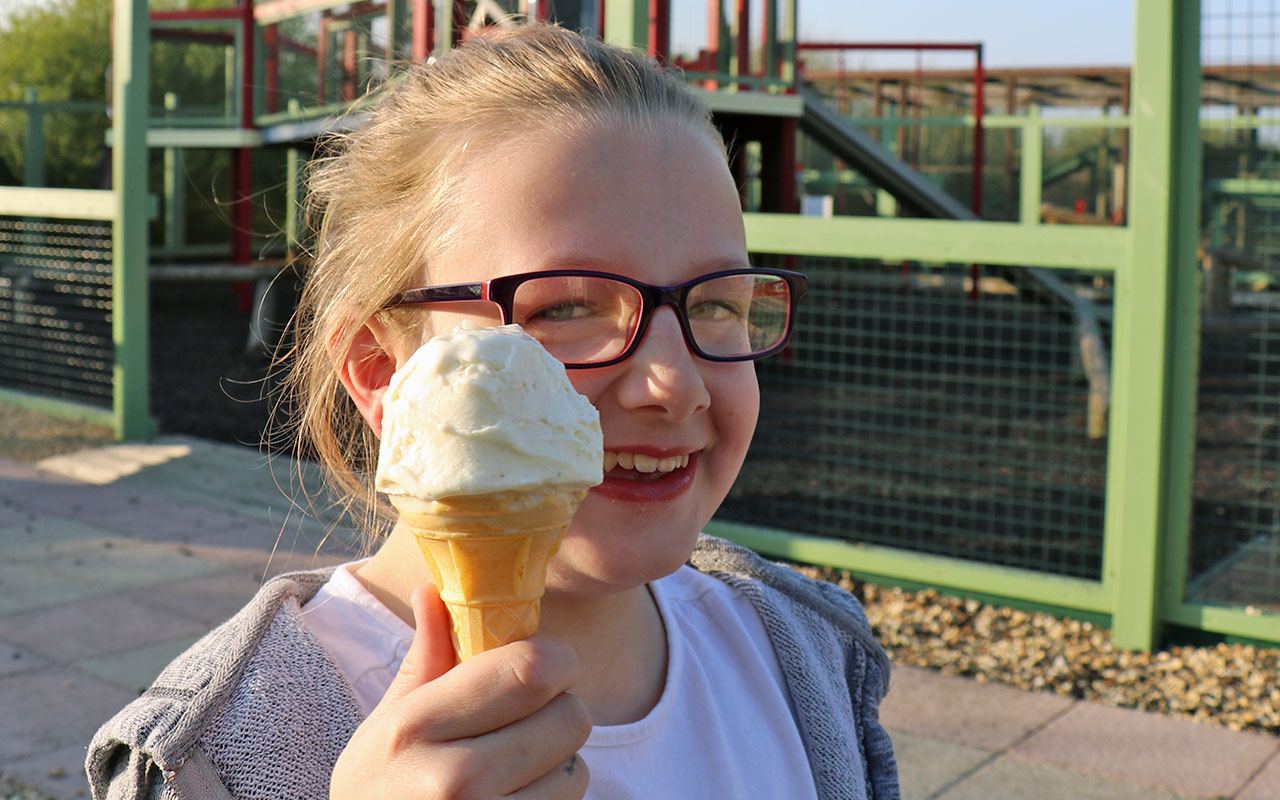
[[499, 687], [568, 781], [525, 751], [431, 653]]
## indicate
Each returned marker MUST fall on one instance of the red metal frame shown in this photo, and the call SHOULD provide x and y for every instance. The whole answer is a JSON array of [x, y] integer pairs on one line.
[[424, 28], [659, 28]]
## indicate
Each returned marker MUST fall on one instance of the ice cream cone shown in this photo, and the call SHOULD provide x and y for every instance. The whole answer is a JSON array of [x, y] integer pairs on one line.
[[488, 555]]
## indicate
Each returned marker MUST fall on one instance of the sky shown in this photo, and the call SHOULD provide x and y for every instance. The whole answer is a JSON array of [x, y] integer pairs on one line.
[[1014, 33]]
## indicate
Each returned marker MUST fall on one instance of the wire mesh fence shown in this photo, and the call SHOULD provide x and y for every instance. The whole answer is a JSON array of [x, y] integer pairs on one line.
[[909, 414], [1234, 557], [55, 309]]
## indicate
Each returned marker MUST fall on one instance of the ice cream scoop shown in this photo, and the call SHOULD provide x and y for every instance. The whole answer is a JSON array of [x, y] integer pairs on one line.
[[486, 451]]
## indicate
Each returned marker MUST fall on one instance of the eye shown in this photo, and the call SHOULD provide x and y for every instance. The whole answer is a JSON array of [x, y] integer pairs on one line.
[[715, 311], [564, 311]]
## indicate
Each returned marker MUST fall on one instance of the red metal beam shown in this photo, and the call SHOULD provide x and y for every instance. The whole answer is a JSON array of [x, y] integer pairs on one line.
[[296, 46], [887, 45], [659, 29], [349, 66], [424, 28], [743, 45], [202, 37], [229, 14]]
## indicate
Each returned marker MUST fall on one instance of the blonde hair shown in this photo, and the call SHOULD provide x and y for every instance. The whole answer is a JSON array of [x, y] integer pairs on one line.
[[382, 197]]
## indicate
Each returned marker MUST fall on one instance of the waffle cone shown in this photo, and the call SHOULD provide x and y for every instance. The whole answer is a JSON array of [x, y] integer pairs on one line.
[[488, 555]]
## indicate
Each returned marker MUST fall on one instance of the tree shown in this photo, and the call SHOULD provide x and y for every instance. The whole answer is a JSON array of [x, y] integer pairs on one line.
[[61, 49]]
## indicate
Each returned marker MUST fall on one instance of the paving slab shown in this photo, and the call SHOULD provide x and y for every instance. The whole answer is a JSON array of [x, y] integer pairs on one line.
[[46, 537], [14, 660], [926, 766], [963, 711], [109, 625], [57, 773], [1011, 778], [209, 600], [120, 564], [1151, 750], [53, 709], [25, 587], [135, 670], [1266, 784]]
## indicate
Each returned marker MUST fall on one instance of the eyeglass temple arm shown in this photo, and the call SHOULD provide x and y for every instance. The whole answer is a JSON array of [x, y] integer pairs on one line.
[[439, 294]]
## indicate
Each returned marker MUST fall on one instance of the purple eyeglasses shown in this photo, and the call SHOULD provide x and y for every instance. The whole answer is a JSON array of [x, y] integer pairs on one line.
[[595, 319]]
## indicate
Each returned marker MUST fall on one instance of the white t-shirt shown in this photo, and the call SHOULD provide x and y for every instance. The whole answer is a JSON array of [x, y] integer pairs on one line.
[[723, 727]]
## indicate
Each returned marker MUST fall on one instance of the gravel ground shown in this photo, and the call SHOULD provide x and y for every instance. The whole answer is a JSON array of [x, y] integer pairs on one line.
[[12, 790], [1233, 685]]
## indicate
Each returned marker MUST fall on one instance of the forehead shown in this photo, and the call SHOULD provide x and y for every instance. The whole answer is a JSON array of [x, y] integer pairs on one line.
[[655, 202]]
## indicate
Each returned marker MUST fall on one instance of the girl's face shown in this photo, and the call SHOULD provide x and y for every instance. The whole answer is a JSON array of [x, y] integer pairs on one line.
[[661, 207]]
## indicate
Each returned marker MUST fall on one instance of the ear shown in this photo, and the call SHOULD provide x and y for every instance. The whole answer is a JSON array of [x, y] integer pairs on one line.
[[366, 370]]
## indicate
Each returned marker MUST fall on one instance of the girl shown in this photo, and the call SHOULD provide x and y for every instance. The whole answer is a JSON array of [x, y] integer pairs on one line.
[[668, 665]]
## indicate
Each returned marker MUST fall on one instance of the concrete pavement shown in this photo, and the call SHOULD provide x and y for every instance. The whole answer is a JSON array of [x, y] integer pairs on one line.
[[113, 561]]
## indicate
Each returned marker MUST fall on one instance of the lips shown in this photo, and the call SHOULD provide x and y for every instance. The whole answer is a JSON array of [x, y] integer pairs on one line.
[[646, 477]]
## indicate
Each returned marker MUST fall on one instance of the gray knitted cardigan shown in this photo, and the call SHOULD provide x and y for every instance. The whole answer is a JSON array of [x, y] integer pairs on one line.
[[257, 710]]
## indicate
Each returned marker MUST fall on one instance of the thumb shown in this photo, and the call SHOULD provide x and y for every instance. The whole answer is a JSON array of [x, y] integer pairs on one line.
[[431, 653]]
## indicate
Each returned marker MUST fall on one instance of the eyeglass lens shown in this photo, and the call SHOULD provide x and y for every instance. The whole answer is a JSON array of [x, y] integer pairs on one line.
[[586, 319]]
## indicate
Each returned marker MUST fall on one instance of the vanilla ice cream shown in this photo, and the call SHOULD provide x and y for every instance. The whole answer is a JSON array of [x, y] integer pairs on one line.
[[485, 410]]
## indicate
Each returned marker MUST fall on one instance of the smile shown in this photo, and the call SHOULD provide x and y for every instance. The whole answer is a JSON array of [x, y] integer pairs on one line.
[[642, 478], [643, 463]]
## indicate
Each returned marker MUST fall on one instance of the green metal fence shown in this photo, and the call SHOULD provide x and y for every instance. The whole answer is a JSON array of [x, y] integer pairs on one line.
[[946, 434], [55, 309], [911, 414]]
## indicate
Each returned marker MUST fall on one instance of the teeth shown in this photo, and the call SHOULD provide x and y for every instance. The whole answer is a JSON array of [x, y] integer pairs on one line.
[[643, 463]]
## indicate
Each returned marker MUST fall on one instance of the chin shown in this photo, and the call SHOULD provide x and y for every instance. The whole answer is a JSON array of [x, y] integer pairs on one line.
[[586, 563]]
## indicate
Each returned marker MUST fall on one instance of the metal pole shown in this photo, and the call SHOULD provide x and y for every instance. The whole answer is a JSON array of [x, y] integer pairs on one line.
[[129, 312], [660, 29], [33, 171], [979, 108], [1152, 438], [1031, 173], [175, 206]]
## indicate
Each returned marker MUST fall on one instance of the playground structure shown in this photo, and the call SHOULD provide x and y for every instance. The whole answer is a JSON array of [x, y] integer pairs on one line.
[[987, 395]]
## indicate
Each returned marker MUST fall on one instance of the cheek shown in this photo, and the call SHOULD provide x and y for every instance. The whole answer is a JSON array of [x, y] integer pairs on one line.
[[735, 400]]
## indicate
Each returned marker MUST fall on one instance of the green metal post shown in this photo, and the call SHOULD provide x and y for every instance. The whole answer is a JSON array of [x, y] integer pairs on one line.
[[231, 68], [1157, 324], [626, 22], [1031, 177], [444, 27], [771, 38], [724, 55], [399, 28], [132, 419], [33, 173], [789, 33], [175, 205], [293, 190]]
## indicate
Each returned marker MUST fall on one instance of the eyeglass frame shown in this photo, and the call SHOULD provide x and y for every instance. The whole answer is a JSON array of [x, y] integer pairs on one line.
[[501, 291]]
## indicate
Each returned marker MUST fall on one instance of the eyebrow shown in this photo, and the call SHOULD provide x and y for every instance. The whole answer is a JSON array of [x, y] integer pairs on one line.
[[603, 265]]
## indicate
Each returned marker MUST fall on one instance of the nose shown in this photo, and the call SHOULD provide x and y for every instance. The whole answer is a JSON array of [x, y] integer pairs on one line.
[[662, 373]]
